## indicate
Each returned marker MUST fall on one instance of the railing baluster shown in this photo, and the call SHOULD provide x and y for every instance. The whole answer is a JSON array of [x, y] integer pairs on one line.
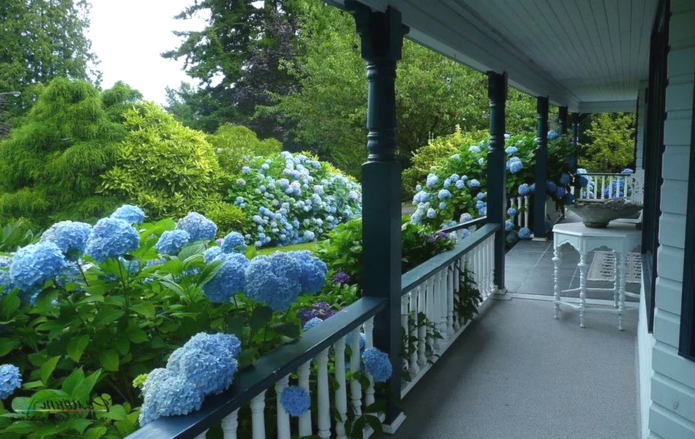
[[441, 307], [413, 368], [324, 404], [526, 205], [404, 325], [603, 186], [303, 373], [283, 419], [421, 330], [450, 287], [258, 416], [230, 423], [491, 262], [369, 342], [355, 360], [611, 179], [341, 391]]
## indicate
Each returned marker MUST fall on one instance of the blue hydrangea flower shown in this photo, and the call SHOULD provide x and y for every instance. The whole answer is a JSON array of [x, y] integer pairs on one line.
[[524, 233], [213, 343], [455, 157], [460, 184], [313, 271], [479, 204], [515, 167], [198, 227], [209, 372], [454, 178], [274, 280], [512, 212], [130, 214], [168, 394], [481, 195], [432, 180], [241, 182], [552, 135], [314, 322], [309, 235], [569, 198], [551, 187], [431, 213], [465, 217], [564, 179], [583, 181], [10, 380], [627, 171], [465, 233], [532, 188], [444, 194], [70, 237], [377, 364], [295, 400], [447, 183], [229, 279], [172, 241], [473, 183], [111, 238], [508, 225], [442, 205], [35, 264], [475, 149], [560, 192], [234, 242], [211, 253], [524, 189], [363, 340], [481, 161], [418, 188], [245, 169], [511, 150]]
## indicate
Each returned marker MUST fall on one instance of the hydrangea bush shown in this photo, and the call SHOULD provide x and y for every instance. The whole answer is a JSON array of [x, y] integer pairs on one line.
[[293, 198], [455, 190]]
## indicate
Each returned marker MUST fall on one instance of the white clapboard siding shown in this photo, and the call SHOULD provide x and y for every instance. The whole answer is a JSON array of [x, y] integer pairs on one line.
[[672, 412]]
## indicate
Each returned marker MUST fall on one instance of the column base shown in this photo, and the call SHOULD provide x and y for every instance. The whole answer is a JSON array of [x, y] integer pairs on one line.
[[542, 239], [393, 426]]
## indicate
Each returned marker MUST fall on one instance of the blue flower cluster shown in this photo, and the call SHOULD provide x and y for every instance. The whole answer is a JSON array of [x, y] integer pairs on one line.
[[229, 279], [293, 199], [70, 237], [10, 380], [377, 364], [35, 264], [233, 243], [198, 227], [130, 214], [312, 323], [111, 238], [205, 365], [295, 400], [172, 241], [525, 233]]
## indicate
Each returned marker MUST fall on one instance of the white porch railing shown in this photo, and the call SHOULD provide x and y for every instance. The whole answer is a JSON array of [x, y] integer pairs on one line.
[[601, 186], [429, 316], [522, 205]]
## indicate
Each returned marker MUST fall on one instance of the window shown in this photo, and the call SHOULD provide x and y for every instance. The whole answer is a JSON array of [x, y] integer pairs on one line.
[[653, 152], [686, 346]]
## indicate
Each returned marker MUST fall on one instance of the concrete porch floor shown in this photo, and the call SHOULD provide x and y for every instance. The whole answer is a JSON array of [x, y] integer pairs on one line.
[[517, 373]]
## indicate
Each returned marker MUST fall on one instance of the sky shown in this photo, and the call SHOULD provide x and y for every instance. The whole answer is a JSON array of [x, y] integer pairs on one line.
[[128, 37]]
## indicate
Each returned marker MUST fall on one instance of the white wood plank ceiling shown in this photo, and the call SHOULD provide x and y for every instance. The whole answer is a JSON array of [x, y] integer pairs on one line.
[[590, 55]]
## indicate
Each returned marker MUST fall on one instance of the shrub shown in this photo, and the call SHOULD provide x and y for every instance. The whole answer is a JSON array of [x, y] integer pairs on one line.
[[228, 217], [291, 199], [237, 145], [162, 166]]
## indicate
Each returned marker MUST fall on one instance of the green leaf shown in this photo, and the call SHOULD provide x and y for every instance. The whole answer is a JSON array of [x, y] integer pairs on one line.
[[375, 423], [135, 334], [287, 329], [260, 317], [106, 316], [77, 424], [115, 412], [247, 356], [42, 396], [6, 345], [76, 347], [84, 389], [72, 382], [121, 344], [9, 304], [95, 432], [22, 427], [144, 308], [109, 359], [47, 369], [32, 385]]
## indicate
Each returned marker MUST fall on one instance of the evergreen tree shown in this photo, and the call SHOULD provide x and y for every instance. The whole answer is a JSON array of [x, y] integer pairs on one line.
[[52, 164]]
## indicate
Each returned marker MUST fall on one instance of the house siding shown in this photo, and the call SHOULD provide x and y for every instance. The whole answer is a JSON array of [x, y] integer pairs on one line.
[[672, 392]]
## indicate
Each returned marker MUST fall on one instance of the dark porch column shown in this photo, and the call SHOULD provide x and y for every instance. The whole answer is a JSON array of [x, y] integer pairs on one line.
[[541, 171], [575, 130], [562, 116], [496, 170], [381, 34]]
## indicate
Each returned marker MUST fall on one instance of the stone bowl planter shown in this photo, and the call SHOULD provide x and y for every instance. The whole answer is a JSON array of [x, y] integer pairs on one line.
[[597, 214]]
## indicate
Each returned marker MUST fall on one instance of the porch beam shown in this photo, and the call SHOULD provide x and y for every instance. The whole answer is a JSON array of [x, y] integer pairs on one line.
[[541, 169], [496, 170], [381, 35], [575, 130], [562, 119]]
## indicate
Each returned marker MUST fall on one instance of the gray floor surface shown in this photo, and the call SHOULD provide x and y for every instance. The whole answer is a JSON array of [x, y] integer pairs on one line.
[[517, 373]]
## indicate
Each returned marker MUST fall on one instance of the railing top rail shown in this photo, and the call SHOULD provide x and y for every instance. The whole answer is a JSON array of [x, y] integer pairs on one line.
[[263, 374], [607, 174], [420, 274], [476, 222]]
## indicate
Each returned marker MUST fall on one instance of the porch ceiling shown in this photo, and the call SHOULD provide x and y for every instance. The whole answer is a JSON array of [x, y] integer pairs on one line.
[[587, 54]]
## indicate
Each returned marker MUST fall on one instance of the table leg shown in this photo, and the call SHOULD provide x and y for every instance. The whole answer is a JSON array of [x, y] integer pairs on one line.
[[621, 267], [583, 267], [556, 284], [615, 279]]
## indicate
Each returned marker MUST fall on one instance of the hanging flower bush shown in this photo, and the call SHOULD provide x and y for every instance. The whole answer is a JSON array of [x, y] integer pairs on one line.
[[293, 198]]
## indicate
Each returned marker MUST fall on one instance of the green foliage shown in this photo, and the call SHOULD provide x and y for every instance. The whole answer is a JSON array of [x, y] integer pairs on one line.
[[228, 217], [52, 164], [611, 143], [15, 235], [434, 154], [236, 145], [164, 167]]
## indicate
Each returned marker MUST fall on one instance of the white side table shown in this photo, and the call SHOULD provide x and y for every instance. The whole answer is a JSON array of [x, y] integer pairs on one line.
[[619, 237]]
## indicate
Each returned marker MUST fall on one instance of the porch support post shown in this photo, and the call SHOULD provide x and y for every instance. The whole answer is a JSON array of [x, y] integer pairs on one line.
[[575, 130], [381, 35], [562, 116], [541, 171], [496, 169]]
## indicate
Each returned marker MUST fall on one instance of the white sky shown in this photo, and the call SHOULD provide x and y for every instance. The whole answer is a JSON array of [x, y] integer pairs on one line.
[[128, 37]]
